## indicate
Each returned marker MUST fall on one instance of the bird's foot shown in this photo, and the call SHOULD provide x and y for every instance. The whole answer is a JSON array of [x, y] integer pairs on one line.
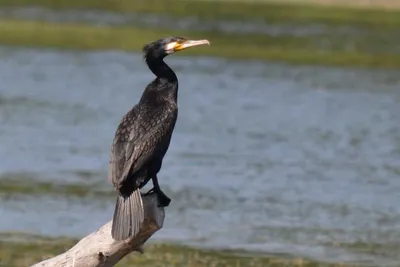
[[163, 200]]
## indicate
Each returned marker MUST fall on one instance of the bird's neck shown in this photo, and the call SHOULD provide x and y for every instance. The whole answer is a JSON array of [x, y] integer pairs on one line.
[[164, 87], [161, 69]]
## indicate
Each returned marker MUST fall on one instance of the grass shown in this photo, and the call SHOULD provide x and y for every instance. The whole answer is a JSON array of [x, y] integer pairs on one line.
[[250, 46], [272, 12], [30, 187], [20, 250]]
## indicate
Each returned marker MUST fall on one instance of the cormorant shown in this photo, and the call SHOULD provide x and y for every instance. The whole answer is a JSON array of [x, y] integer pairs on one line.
[[143, 137]]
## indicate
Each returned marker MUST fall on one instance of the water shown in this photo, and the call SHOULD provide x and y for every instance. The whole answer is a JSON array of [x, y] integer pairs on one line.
[[265, 157]]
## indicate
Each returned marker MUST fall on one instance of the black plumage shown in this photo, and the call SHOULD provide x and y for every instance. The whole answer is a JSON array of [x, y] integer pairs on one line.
[[143, 137]]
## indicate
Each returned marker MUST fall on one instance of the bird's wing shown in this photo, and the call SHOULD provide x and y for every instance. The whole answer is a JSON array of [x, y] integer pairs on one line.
[[125, 143], [135, 142]]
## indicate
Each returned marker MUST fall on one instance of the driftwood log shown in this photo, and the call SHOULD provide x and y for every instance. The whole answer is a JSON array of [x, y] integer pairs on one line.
[[99, 249]]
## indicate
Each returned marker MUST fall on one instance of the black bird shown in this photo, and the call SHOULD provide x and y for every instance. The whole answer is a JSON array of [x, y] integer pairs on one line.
[[143, 137]]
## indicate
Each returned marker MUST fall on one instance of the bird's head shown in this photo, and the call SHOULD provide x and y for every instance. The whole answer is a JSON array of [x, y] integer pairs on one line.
[[169, 45]]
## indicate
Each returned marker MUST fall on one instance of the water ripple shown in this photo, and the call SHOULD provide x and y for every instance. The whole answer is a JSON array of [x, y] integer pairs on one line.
[[269, 157]]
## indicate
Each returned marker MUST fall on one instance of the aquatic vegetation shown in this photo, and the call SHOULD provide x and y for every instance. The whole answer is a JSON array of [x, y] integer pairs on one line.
[[269, 11], [349, 37], [31, 187], [20, 249], [300, 50]]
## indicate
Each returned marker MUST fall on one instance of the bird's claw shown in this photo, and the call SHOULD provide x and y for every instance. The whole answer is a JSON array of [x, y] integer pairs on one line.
[[163, 200]]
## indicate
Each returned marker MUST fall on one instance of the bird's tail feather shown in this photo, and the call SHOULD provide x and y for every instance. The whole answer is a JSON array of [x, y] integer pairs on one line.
[[128, 216]]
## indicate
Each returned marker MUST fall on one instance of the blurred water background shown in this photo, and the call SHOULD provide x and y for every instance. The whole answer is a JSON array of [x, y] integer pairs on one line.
[[266, 157]]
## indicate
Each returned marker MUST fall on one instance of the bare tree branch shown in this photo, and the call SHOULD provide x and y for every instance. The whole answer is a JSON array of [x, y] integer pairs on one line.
[[99, 249]]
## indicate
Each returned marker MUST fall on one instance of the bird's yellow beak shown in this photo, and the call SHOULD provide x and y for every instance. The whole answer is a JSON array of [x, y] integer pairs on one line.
[[190, 43]]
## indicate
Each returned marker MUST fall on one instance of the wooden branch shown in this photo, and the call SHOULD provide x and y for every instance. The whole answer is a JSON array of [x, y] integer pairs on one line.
[[99, 249]]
